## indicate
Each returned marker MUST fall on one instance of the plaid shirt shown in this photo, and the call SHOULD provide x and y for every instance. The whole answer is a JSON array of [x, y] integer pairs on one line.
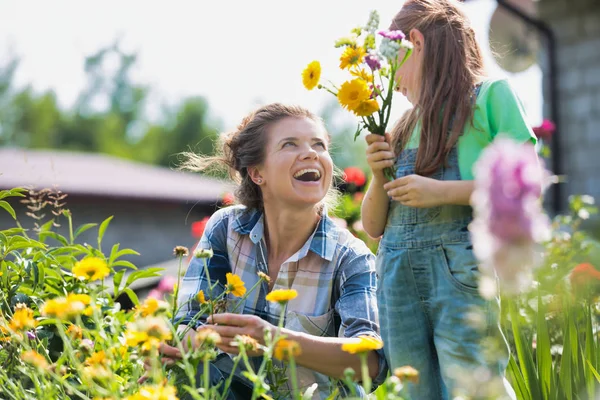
[[333, 273]]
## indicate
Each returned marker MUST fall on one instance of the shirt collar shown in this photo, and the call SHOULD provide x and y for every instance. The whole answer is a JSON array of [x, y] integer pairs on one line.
[[322, 242]]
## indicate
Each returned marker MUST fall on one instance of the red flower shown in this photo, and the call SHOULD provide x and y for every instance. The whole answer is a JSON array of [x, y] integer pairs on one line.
[[584, 274], [354, 175], [198, 227], [545, 130], [228, 199]]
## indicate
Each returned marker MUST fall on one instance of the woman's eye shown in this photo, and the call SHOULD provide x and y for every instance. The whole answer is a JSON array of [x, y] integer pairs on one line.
[[287, 144], [321, 144]]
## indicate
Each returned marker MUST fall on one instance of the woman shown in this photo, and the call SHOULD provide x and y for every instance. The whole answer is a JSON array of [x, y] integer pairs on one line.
[[279, 156]]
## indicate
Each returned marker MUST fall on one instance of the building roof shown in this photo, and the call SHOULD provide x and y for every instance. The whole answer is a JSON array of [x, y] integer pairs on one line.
[[93, 174]]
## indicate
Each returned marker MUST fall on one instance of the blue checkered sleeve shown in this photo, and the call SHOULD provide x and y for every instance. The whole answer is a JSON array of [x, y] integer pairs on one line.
[[202, 273], [357, 303]]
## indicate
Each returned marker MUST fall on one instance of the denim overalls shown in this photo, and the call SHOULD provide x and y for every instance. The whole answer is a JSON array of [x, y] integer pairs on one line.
[[428, 288]]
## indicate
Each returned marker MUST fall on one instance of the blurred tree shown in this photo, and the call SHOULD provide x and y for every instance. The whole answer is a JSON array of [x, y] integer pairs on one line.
[[345, 151], [108, 116]]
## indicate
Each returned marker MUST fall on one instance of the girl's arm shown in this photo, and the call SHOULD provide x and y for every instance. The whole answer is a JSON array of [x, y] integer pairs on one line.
[[374, 207], [375, 204]]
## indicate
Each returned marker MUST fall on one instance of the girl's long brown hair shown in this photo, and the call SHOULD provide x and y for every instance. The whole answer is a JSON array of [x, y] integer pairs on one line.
[[452, 66]]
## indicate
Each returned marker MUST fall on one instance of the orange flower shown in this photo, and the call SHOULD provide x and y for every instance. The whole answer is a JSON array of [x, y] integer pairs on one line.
[[583, 275], [284, 349]]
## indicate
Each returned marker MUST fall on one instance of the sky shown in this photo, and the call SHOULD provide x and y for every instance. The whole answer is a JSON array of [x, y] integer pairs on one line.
[[238, 54]]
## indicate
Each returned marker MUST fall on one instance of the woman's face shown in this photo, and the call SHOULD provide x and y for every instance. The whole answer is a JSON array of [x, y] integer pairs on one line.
[[298, 169]]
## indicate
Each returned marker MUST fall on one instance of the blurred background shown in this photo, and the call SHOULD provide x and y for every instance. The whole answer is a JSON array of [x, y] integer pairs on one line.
[[98, 98]]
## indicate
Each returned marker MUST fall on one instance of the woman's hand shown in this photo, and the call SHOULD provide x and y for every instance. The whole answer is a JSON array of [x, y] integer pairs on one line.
[[416, 191], [379, 154], [228, 326]]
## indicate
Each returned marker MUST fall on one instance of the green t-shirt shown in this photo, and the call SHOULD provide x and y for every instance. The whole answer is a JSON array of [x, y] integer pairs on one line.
[[498, 110]]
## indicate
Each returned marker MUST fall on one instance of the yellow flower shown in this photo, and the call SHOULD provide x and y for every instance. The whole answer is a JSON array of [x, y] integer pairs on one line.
[[151, 306], [282, 295], [63, 308], [366, 108], [247, 342], [284, 349], [133, 338], [235, 285], [311, 75], [22, 319], [75, 332], [96, 372], [200, 297], [207, 336], [91, 268], [264, 277], [352, 56], [34, 358], [150, 345], [155, 392], [352, 93], [407, 373], [362, 74], [97, 358], [363, 344]]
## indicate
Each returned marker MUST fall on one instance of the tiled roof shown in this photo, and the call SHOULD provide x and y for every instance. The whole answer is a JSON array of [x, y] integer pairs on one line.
[[93, 174]]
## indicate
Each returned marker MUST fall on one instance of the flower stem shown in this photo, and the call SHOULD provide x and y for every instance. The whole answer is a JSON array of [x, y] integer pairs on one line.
[[364, 367]]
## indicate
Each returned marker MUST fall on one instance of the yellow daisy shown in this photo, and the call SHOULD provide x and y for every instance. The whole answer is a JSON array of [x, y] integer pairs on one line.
[[366, 108], [75, 332], [407, 373], [91, 268], [151, 306], [311, 75], [352, 56], [200, 297], [155, 392], [22, 319], [97, 358], [34, 358], [362, 344], [352, 93], [282, 295], [362, 74], [235, 285], [284, 349]]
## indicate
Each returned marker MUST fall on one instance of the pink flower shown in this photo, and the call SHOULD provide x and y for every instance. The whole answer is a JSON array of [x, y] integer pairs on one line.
[[373, 61], [545, 130], [392, 35], [228, 199], [155, 294], [509, 221], [166, 284]]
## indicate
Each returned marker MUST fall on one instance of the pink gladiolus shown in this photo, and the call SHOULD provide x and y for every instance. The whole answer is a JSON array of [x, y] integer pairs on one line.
[[509, 221]]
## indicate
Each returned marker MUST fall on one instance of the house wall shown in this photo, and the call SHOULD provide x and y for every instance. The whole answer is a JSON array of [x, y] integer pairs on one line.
[[151, 228]]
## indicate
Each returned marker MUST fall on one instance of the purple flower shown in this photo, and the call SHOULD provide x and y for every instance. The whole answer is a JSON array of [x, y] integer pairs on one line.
[[373, 61], [392, 35], [509, 220], [30, 335], [375, 90]]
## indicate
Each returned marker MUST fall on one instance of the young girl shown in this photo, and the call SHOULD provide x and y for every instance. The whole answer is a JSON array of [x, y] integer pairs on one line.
[[428, 274]]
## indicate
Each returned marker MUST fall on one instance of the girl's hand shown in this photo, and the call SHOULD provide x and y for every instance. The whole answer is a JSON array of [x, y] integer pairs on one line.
[[379, 154], [416, 191], [228, 326]]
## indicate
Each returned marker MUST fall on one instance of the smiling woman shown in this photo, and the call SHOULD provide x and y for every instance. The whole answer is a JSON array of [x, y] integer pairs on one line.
[[279, 157]]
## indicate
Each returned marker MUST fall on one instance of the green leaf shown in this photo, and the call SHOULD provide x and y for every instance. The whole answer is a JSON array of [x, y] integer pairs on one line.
[[117, 278], [124, 263], [102, 229], [8, 208], [144, 273], [82, 229], [524, 355], [132, 296], [55, 236], [543, 355], [517, 380]]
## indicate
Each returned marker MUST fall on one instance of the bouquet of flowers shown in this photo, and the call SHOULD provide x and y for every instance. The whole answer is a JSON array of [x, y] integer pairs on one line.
[[372, 58]]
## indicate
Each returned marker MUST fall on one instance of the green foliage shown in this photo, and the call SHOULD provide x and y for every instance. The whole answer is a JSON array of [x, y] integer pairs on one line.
[[109, 116]]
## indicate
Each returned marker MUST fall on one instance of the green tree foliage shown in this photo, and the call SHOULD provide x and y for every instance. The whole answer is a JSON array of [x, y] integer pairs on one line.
[[108, 117]]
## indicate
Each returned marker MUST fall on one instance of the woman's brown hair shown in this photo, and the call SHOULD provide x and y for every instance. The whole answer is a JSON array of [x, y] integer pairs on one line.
[[245, 147], [452, 66]]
